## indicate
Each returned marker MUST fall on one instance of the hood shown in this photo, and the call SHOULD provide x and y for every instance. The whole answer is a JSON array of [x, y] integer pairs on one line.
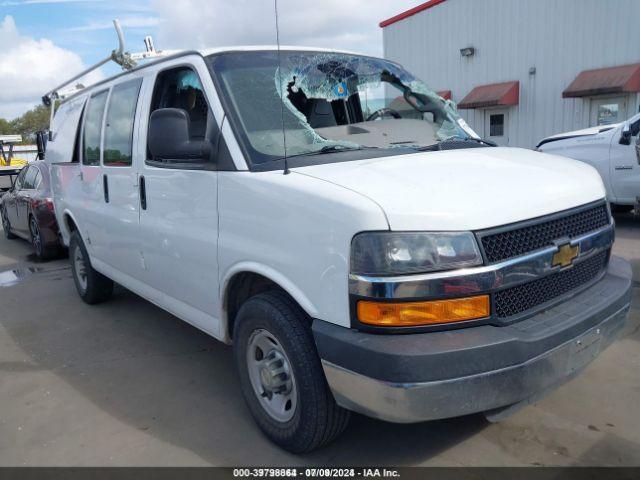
[[585, 132], [466, 189]]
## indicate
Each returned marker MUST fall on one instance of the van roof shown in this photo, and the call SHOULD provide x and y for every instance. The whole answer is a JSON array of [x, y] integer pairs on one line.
[[204, 53], [250, 48]]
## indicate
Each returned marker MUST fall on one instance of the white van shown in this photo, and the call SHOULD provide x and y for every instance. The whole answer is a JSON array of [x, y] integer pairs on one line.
[[614, 150], [359, 256]]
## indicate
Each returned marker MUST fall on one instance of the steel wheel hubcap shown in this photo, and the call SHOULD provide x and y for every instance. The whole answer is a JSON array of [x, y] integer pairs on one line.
[[271, 375], [80, 268]]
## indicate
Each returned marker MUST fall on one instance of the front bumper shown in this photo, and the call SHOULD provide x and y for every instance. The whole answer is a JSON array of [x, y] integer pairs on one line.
[[426, 376]]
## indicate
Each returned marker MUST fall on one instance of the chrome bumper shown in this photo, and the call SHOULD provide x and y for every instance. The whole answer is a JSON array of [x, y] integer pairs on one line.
[[415, 402]]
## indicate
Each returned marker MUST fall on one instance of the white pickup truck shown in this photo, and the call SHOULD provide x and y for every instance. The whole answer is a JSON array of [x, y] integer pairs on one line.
[[614, 150], [337, 222]]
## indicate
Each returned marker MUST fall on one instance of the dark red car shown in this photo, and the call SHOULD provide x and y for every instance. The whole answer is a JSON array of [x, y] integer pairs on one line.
[[27, 210]]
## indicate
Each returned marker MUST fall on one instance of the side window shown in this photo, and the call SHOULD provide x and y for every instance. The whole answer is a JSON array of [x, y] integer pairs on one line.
[[181, 88], [20, 180], [38, 180], [118, 131], [30, 178], [77, 142], [93, 128]]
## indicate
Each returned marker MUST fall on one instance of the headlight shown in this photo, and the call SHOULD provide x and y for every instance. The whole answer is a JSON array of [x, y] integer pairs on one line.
[[391, 253]]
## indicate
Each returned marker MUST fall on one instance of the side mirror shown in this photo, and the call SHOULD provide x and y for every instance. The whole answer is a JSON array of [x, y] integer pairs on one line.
[[41, 141], [625, 137], [170, 138]]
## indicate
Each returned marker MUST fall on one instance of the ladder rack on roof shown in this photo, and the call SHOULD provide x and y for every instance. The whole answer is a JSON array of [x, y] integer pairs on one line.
[[125, 59]]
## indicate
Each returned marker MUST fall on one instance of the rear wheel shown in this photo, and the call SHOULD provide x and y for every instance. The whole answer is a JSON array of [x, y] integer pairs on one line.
[[6, 226], [92, 286], [43, 252], [281, 376]]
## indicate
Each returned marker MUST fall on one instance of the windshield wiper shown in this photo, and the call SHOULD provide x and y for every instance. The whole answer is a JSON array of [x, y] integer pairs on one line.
[[455, 142], [489, 143], [331, 149]]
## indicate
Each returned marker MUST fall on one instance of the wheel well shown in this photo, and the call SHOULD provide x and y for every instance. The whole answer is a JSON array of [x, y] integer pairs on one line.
[[71, 225], [241, 287]]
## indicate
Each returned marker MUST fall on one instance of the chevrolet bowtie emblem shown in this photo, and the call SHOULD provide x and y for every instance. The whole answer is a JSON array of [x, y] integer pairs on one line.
[[565, 255]]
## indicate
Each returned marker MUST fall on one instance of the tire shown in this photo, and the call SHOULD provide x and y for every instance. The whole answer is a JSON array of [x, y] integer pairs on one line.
[[93, 287], [6, 226], [38, 241], [315, 418], [621, 208]]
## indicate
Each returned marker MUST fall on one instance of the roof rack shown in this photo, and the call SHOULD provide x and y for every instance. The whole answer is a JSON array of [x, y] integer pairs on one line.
[[126, 60]]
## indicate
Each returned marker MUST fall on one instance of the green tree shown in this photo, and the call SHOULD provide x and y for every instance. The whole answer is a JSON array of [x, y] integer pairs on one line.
[[6, 127], [31, 121]]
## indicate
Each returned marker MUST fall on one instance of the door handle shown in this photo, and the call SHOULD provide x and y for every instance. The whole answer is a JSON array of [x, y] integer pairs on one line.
[[623, 167], [105, 188], [143, 192]]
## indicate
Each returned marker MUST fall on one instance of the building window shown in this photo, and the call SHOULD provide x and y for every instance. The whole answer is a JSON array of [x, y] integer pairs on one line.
[[608, 113], [496, 125]]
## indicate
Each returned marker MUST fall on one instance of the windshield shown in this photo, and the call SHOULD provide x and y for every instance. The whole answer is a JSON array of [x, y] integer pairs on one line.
[[306, 103]]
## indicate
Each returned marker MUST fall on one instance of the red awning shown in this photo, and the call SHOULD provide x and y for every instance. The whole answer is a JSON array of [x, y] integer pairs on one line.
[[625, 78], [507, 93], [446, 94], [412, 11]]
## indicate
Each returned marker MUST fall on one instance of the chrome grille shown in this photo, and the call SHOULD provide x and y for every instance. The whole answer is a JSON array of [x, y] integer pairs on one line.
[[515, 300], [517, 241]]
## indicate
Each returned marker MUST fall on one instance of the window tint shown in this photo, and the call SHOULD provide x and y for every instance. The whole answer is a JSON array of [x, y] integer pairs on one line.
[[181, 88], [76, 143], [38, 181], [20, 179], [92, 129], [118, 132], [30, 178]]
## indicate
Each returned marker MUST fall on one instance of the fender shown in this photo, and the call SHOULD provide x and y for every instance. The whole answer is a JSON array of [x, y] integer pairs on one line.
[[64, 229], [268, 272]]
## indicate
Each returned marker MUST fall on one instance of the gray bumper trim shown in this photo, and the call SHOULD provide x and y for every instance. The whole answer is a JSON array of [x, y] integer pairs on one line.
[[415, 402]]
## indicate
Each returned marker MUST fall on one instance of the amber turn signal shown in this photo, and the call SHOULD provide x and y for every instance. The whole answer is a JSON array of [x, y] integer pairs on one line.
[[413, 314]]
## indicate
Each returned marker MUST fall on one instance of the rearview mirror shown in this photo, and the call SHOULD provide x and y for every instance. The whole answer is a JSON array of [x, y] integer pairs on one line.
[[625, 138], [170, 138]]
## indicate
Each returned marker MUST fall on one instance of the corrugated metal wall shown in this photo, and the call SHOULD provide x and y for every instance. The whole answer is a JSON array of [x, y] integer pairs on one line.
[[560, 38]]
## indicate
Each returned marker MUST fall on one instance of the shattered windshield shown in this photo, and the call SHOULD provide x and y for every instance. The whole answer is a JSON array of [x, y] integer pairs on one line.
[[307, 103]]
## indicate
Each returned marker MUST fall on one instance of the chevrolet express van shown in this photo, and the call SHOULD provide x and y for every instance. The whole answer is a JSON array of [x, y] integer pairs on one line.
[[337, 222], [613, 150]]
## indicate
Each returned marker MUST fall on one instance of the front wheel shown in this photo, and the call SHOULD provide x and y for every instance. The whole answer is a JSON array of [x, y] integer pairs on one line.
[[92, 286], [6, 226], [281, 376]]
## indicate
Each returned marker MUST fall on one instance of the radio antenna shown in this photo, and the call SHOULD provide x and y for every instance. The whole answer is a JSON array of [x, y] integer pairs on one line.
[[284, 134]]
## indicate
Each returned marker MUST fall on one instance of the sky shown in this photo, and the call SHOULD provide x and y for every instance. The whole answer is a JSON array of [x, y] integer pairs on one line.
[[44, 42]]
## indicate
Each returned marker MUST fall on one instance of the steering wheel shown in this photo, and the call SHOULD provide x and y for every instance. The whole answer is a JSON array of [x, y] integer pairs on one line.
[[383, 112]]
